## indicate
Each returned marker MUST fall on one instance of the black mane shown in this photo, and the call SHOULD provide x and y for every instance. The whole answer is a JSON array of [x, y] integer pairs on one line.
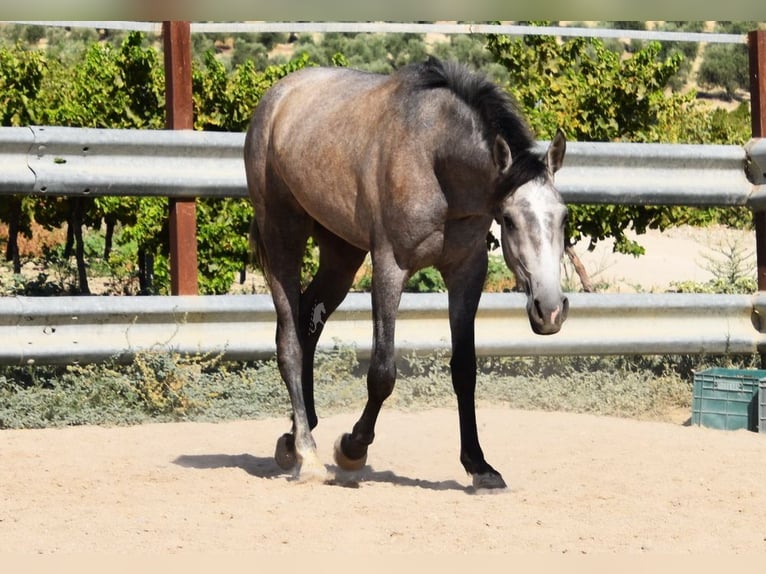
[[494, 106]]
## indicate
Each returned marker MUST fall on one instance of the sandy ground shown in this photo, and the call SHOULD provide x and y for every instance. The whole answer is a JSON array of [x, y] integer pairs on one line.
[[578, 484], [675, 255]]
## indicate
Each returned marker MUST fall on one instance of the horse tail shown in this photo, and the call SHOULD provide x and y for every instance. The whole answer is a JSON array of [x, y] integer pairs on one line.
[[259, 255]]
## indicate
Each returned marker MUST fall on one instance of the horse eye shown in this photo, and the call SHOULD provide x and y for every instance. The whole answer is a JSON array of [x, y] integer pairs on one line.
[[508, 222]]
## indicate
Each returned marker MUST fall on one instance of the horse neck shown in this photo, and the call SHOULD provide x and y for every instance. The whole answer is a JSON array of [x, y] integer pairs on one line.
[[466, 176]]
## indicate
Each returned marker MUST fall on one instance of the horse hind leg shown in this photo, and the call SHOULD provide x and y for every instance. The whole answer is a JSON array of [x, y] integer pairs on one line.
[[282, 238], [338, 264]]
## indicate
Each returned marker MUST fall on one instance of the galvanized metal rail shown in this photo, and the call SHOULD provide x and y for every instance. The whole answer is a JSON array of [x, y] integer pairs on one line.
[[59, 330], [403, 28], [90, 162]]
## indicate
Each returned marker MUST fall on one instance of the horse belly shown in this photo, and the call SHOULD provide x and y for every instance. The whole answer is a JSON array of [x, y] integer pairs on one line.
[[332, 202], [332, 184]]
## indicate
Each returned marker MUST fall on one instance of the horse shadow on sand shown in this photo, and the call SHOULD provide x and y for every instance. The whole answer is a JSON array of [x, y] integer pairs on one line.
[[266, 467]]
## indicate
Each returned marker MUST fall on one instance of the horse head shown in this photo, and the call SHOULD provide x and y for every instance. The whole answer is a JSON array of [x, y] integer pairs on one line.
[[533, 221]]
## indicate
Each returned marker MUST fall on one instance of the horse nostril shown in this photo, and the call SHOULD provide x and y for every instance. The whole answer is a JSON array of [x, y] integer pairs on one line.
[[538, 309]]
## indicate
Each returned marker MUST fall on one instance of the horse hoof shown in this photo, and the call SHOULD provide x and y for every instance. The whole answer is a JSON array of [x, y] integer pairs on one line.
[[344, 462], [284, 454], [488, 481]]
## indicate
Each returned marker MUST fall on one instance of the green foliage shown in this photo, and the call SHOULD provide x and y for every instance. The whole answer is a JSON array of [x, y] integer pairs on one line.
[[471, 50], [21, 77], [222, 244], [110, 88], [224, 101], [380, 53], [726, 66], [499, 278], [427, 280], [587, 90], [122, 86], [145, 227], [688, 50], [255, 48]]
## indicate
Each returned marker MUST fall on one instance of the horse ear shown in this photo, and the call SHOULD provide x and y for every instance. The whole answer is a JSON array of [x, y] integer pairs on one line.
[[501, 153], [556, 150]]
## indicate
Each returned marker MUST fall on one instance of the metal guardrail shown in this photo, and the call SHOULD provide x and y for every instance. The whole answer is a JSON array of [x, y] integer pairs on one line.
[[74, 161], [84, 161], [60, 330], [89, 161], [404, 28]]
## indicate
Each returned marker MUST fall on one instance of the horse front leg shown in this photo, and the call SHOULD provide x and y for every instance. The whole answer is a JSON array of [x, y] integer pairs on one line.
[[465, 287], [387, 285]]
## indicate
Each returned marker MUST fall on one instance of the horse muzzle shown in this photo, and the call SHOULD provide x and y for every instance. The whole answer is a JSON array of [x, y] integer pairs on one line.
[[546, 318]]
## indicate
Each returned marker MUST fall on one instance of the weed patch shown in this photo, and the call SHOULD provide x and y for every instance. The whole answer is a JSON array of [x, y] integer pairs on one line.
[[164, 387]]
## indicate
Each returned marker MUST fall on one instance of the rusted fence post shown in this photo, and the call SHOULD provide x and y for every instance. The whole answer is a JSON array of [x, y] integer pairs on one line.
[[179, 116], [756, 41]]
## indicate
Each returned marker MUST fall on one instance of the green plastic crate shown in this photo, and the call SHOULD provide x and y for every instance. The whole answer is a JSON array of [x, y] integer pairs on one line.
[[727, 398], [762, 407]]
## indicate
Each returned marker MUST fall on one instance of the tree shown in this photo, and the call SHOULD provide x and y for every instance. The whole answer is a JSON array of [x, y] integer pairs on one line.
[[726, 65], [379, 53], [21, 77]]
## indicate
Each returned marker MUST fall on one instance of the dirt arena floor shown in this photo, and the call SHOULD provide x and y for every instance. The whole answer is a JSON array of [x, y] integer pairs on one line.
[[579, 484]]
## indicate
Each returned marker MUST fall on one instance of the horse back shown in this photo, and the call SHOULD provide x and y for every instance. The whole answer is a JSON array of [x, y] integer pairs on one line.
[[327, 137]]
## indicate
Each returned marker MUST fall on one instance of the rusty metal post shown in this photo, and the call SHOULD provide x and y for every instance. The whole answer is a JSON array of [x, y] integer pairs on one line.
[[756, 41], [179, 116], [757, 45]]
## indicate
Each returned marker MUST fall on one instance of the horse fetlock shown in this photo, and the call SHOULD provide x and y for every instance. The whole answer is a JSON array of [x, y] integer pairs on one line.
[[349, 454], [284, 453], [312, 469]]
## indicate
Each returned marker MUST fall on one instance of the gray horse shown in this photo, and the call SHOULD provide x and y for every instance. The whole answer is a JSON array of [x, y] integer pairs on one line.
[[411, 168]]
